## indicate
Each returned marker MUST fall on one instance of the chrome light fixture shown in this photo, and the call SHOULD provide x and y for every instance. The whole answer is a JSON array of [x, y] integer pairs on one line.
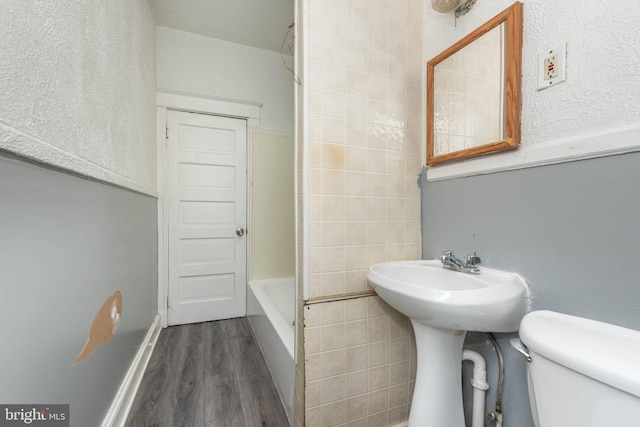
[[446, 6]]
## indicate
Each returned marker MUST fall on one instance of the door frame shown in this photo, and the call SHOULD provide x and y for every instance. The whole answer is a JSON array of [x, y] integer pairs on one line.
[[192, 103]]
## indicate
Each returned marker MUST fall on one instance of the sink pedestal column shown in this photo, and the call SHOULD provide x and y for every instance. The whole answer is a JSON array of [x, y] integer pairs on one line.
[[437, 397]]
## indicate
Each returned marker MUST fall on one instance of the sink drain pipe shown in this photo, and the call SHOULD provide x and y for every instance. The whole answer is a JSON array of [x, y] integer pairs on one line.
[[496, 415], [479, 384]]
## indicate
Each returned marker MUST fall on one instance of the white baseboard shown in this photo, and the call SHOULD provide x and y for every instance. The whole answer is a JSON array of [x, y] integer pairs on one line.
[[121, 405]]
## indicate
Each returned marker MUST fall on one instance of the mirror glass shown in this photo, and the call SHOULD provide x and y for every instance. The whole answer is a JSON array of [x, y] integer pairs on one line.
[[473, 92], [468, 95]]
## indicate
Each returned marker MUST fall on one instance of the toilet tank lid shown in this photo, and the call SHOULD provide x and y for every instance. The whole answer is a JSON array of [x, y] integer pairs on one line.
[[604, 352]]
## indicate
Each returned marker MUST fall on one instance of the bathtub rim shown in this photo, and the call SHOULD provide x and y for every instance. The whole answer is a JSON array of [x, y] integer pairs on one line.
[[275, 337], [279, 323]]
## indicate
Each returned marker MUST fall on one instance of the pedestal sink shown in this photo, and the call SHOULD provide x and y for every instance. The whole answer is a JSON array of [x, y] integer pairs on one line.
[[443, 305]]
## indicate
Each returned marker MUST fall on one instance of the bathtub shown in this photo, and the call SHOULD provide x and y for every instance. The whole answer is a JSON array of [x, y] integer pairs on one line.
[[271, 308]]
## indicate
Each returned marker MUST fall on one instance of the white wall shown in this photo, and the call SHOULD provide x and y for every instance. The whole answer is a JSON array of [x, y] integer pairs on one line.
[[78, 87], [601, 92], [210, 67]]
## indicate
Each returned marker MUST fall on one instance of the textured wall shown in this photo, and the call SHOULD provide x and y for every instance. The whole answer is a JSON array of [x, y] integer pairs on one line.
[[78, 87], [570, 229], [602, 87], [209, 67]]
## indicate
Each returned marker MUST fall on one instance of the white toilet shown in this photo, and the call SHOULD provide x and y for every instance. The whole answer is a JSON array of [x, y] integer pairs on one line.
[[581, 373]]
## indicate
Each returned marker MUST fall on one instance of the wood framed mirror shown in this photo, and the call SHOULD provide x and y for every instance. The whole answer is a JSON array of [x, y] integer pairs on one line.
[[473, 92]]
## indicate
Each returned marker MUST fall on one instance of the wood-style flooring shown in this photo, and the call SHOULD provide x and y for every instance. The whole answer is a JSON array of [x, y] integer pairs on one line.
[[207, 374]]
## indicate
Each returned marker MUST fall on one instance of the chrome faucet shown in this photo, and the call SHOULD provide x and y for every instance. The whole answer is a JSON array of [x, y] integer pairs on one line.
[[449, 260]]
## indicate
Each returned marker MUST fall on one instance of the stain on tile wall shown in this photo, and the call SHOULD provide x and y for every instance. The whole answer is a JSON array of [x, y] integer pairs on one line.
[[358, 203], [364, 140]]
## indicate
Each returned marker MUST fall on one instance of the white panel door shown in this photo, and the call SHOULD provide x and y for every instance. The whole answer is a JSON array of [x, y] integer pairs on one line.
[[207, 185]]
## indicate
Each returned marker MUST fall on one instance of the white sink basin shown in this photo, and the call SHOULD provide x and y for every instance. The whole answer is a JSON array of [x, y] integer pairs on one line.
[[493, 301], [443, 305]]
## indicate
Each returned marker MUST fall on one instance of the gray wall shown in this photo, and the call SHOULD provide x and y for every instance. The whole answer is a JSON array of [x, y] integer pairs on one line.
[[66, 245], [571, 229]]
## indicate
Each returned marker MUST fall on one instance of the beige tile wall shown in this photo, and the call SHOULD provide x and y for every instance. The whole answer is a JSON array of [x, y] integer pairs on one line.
[[359, 364], [358, 158], [364, 141]]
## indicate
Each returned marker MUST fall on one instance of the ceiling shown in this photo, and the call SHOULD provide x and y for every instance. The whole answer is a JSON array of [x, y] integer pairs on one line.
[[258, 23]]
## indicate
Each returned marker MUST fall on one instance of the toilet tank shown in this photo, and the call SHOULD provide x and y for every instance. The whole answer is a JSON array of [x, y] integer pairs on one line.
[[582, 373]]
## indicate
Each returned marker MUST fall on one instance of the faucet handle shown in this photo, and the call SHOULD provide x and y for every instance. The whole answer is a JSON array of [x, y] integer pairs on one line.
[[446, 255], [473, 260]]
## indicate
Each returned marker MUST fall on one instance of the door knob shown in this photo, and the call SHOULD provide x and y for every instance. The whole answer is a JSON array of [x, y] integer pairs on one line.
[[240, 231]]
